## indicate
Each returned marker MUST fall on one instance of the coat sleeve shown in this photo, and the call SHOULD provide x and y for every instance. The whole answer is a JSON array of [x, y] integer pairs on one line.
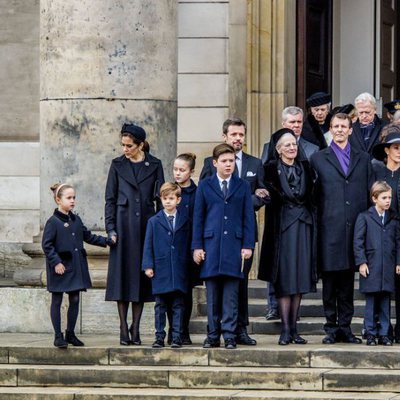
[[360, 232], [258, 202], [148, 251], [91, 238], [198, 219], [48, 244], [159, 182], [398, 243], [207, 170], [249, 228], [111, 201]]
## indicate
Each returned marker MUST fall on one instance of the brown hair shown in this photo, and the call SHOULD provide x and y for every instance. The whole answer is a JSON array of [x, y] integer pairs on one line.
[[190, 158], [222, 148], [233, 121], [170, 188], [59, 188], [146, 146], [379, 187], [342, 116]]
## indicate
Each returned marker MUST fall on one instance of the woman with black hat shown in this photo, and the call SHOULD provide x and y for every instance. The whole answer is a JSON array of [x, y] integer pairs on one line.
[[287, 255], [131, 192], [389, 171]]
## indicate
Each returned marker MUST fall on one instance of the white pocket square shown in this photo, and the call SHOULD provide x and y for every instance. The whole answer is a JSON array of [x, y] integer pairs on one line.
[[249, 173]]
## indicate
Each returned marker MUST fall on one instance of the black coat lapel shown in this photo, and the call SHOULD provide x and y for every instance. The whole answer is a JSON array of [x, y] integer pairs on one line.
[[214, 184], [331, 157], [234, 184], [245, 165], [354, 159], [125, 171], [147, 169]]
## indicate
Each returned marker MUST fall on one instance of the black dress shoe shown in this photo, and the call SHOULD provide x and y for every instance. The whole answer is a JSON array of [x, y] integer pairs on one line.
[[186, 340], [135, 337], [351, 339], [59, 341], [71, 338], [158, 344], [209, 344], [230, 344], [176, 344], [371, 341], [385, 341], [284, 339], [272, 315], [245, 339], [297, 339], [329, 339]]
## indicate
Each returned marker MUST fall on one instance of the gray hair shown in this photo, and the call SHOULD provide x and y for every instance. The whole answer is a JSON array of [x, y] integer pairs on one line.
[[365, 98], [291, 110], [284, 136]]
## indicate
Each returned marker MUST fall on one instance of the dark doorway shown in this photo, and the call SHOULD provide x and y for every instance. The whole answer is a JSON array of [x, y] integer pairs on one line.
[[314, 48]]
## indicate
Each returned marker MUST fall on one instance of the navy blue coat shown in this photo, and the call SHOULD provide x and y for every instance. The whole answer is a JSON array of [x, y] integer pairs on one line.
[[378, 246], [339, 199], [168, 253], [62, 242], [130, 202], [222, 228]]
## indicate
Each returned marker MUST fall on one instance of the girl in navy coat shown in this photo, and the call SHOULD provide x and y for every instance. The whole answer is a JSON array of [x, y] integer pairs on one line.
[[377, 255], [166, 257], [66, 264]]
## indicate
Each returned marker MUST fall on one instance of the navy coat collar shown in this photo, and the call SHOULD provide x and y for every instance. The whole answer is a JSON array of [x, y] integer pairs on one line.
[[124, 168], [181, 219], [389, 215], [63, 217], [354, 159], [234, 183]]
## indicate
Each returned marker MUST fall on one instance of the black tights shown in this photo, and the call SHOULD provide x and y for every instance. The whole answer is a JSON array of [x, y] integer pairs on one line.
[[289, 309], [137, 309], [73, 310]]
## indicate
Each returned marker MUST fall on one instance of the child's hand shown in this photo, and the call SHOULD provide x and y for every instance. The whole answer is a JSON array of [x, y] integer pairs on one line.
[[246, 253], [398, 269], [364, 271], [199, 255], [261, 193], [59, 268], [149, 272]]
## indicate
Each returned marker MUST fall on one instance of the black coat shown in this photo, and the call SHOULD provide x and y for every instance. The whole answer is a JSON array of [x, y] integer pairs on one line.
[[130, 202], [62, 242], [356, 138], [381, 173], [282, 211], [314, 132], [339, 199], [378, 246]]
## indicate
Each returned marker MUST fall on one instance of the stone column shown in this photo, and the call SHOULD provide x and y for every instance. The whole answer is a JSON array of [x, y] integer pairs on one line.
[[103, 63]]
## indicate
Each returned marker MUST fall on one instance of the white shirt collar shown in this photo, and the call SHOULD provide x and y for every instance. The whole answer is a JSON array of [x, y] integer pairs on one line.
[[220, 180]]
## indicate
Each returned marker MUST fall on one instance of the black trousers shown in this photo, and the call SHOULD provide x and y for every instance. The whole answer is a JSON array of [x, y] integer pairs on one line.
[[337, 297], [243, 299]]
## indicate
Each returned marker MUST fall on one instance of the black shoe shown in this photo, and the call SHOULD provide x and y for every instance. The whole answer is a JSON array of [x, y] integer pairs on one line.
[[59, 341], [158, 344], [385, 341], [176, 344], [397, 339], [208, 344], [297, 339], [245, 339], [272, 314], [186, 340], [371, 341], [230, 344], [350, 338], [284, 339], [135, 337], [329, 339], [71, 338]]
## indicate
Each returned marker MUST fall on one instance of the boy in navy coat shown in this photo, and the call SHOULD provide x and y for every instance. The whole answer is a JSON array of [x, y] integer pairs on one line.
[[223, 237], [377, 255], [166, 255]]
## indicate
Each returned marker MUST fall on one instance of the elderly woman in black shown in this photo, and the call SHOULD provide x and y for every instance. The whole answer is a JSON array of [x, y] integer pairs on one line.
[[287, 258], [389, 171], [131, 192]]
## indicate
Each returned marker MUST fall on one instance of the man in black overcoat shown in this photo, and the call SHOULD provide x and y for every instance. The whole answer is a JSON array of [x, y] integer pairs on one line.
[[250, 169], [341, 191]]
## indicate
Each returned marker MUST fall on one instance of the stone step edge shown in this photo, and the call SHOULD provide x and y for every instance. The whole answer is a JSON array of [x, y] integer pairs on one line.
[[78, 393]]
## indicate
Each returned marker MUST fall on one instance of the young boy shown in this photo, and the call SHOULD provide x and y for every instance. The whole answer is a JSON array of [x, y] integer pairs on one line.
[[166, 255], [223, 236], [377, 255]]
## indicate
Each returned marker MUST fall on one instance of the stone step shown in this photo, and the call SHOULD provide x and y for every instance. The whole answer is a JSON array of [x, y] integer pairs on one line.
[[82, 393], [308, 308]]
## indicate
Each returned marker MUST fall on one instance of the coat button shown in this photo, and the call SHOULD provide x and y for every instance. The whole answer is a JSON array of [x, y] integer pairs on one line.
[[226, 202], [137, 214], [73, 233], [169, 233], [347, 203], [225, 217], [187, 205], [347, 181], [173, 247], [76, 249], [225, 232], [137, 200]]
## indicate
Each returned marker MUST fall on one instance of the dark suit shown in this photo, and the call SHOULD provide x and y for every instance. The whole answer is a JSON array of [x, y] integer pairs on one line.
[[253, 172], [339, 198], [222, 227], [357, 141]]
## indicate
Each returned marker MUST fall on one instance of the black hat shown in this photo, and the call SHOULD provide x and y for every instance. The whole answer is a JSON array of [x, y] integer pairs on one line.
[[393, 137], [318, 99], [393, 106], [279, 133], [345, 109], [136, 131]]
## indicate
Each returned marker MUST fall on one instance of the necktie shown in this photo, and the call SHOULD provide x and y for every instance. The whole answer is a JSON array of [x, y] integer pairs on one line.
[[171, 221], [383, 219], [237, 169], [224, 188]]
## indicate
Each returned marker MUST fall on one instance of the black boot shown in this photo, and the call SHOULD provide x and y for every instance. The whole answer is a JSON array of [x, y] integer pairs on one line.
[[71, 338], [59, 341]]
